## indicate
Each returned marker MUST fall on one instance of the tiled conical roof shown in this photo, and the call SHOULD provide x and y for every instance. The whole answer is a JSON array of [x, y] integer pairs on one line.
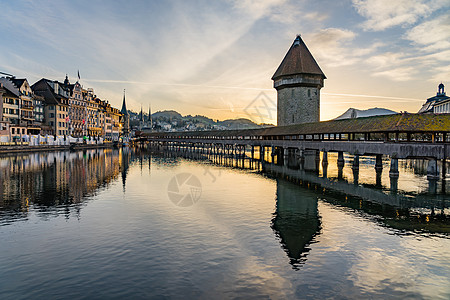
[[298, 60]]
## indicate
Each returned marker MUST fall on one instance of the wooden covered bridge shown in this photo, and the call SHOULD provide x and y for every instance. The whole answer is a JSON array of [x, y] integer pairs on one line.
[[425, 136]]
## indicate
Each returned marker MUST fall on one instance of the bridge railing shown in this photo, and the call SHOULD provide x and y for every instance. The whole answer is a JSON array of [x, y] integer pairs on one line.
[[400, 137]]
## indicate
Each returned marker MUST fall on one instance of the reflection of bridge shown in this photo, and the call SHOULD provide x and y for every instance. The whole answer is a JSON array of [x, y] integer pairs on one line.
[[296, 220], [399, 136]]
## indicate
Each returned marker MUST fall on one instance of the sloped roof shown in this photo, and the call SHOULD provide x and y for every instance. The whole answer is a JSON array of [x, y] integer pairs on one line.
[[17, 82], [439, 97], [42, 88], [298, 60], [9, 85]]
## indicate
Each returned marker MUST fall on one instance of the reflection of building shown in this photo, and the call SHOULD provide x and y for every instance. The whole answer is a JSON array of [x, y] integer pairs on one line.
[[124, 164], [298, 81], [296, 220], [54, 178]]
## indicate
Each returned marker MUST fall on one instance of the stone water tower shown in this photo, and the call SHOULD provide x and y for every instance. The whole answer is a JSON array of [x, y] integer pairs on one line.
[[298, 81]]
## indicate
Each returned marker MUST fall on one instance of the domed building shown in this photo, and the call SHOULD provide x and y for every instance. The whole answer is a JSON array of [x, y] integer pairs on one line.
[[439, 104]]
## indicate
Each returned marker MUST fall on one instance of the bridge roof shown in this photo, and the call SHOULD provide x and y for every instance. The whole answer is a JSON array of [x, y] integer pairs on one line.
[[388, 123]]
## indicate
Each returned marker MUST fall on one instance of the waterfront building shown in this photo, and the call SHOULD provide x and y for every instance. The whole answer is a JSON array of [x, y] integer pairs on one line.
[[38, 111], [112, 118], [438, 104], [10, 105], [77, 108], [4, 125], [115, 124], [11, 108], [98, 118], [93, 116], [26, 110], [56, 105], [298, 81]]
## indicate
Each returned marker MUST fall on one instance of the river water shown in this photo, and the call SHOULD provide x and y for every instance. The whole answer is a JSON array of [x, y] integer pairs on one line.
[[129, 224]]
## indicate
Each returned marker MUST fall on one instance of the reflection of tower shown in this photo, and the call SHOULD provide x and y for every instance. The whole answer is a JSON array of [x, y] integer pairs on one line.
[[125, 165], [296, 220], [125, 117], [298, 81]]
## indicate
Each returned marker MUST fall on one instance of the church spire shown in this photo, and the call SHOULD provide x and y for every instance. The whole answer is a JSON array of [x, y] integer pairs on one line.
[[150, 115], [124, 105]]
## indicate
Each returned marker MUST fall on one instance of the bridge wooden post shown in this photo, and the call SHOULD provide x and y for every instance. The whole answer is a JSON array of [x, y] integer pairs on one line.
[[379, 163], [273, 153], [393, 171], [285, 156], [378, 169], [324, 158], [261, 153], [340, 160], [325, 163], [253, 152], [432, 169], [394, 184], [355, 163]]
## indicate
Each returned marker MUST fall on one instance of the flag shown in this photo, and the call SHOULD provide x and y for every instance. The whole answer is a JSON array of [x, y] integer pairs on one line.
[[79, 75]]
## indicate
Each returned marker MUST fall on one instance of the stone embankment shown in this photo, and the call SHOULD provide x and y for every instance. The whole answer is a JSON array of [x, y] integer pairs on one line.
[[24, 148]]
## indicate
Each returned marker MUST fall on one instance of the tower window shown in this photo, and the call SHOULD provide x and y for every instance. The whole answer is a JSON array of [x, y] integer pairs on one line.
[[309, 92], [293, 119]]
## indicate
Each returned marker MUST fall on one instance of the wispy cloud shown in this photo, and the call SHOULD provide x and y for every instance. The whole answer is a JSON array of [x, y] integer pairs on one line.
[[433, 34], [334, 47], [398, 74], [383, 14]]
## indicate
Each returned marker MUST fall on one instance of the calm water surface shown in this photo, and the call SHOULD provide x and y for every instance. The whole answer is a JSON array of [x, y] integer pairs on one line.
[[116, 224]]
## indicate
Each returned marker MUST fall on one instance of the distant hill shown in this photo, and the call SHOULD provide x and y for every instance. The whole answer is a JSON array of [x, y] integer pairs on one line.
[[238, 123], [167, 115], [162, 119], [352, 113]]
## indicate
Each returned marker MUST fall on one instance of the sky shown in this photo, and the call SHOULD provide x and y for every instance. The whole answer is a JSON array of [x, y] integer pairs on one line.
[[216, 58]]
